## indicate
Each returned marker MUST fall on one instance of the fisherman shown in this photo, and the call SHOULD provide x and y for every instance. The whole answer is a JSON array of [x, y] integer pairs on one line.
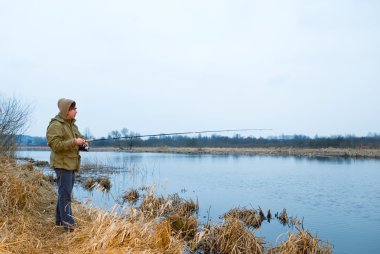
[[65, 140]]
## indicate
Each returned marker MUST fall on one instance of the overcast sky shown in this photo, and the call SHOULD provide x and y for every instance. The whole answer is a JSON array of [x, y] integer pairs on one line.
[[294, 66]]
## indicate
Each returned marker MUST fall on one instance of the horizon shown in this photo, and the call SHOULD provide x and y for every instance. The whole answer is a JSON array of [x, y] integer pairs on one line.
[[282, 136]]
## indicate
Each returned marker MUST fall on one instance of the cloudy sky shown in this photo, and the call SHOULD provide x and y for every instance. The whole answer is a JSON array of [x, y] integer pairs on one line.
[[294, 66]]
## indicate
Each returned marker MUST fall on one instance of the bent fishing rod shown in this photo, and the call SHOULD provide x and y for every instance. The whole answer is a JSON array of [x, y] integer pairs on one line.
[[174, 134]]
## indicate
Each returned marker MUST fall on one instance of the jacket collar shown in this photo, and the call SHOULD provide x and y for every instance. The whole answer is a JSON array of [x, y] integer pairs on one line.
[[63, 120]]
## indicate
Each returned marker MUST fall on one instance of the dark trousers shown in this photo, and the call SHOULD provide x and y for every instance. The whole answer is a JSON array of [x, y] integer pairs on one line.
[[65, 182]]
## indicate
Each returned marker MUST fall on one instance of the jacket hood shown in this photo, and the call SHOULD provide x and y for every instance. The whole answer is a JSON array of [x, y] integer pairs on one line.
[[64, 106]]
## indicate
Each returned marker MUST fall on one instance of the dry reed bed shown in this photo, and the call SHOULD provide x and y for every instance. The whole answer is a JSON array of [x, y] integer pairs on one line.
[[302, 242], [277, 151], [159, 225], [231, 237], [250, 217], [27, 223]]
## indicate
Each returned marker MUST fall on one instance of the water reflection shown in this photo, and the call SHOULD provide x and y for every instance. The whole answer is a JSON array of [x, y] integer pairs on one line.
[[327, 159]]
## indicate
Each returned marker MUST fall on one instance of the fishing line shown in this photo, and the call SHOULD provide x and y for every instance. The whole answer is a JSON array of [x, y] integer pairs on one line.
[[174, 134]]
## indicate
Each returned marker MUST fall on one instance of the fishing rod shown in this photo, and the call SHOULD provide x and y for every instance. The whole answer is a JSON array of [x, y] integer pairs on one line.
[[174, 134]]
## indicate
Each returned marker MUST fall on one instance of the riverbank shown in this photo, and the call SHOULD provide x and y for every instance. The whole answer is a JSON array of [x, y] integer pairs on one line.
[[28, 203], [282, 151], [271, 151], [159, 225]]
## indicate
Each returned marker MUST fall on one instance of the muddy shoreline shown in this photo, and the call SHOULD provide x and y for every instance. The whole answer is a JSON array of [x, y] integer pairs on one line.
[[271, 151]]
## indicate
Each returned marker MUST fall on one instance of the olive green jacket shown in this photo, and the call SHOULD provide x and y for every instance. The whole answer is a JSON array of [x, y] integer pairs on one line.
[[61, 134]]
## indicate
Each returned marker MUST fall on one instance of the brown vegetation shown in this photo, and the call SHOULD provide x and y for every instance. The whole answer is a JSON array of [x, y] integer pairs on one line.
[[249, 217], [27, 225], [301, 242], [131, 196], [275, 151], [159, 225], [102, 183], [232, 237]]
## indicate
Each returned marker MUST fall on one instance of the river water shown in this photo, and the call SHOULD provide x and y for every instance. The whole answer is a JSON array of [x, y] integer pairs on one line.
[[339, 199]]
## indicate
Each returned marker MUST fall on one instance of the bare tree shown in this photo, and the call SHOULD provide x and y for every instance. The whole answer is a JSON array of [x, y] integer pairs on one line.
[[116, 135], [124, 132], [133, 140], [88, 134], [14, 119]]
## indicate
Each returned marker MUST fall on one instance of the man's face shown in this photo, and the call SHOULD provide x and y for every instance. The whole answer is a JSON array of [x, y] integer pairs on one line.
[[72, 113]]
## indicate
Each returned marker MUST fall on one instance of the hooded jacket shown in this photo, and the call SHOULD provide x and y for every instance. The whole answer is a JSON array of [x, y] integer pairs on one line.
[[61, 134]]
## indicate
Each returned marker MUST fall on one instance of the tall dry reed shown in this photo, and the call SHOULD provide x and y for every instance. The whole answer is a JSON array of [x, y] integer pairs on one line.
[[27, 223], [302, 242], [249, 217], [231, 237]]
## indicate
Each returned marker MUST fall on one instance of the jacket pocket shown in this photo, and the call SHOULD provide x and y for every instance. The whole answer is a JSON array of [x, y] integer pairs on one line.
[[71, 162]]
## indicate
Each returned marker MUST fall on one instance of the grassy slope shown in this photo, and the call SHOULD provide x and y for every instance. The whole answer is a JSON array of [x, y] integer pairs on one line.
[[27, 226]]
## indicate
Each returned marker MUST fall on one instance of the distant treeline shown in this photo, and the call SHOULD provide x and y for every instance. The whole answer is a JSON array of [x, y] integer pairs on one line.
[[295, 141]]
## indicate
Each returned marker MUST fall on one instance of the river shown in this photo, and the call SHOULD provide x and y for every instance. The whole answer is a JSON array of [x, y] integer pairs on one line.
[[339, 199]]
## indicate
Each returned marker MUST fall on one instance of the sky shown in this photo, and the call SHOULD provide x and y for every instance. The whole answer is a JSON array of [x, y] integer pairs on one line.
[[293, 66]]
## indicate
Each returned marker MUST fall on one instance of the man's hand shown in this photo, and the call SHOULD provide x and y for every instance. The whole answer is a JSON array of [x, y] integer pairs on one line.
[[79, 141]]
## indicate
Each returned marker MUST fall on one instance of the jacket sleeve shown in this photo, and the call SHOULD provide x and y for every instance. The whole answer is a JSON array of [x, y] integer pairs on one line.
[[55, 138]]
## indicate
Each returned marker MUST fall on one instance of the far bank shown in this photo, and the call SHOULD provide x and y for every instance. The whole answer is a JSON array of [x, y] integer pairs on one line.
[[273, 151]]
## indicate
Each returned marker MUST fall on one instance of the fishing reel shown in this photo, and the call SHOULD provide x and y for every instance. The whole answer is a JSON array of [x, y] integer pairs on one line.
[[85, 147]]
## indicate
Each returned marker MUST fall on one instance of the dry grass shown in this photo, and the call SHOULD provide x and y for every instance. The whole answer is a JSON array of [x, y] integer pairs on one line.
[[27, 205], [109, 233], [232, 237], [131, 196], [177, 211], [89, 184], [27, 223], [302, 242], [102, 183], [249, 217], [281, 151], [160, 225], [184, 226], [155, 206]]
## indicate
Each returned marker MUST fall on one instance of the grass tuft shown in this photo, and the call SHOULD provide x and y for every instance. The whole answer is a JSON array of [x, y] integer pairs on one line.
[[103, 183], [231, 237], [131, 196], [302, 242], [249, 217]]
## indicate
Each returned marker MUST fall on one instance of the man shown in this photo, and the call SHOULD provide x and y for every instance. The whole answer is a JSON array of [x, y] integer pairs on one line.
[[64, 139]]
